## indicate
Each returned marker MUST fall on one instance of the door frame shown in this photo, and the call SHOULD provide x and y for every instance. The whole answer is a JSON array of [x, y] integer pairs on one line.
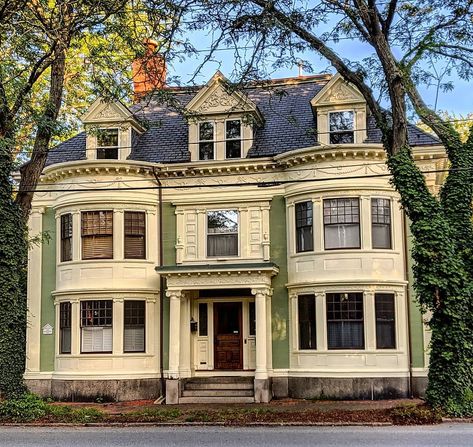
[[216, 306]]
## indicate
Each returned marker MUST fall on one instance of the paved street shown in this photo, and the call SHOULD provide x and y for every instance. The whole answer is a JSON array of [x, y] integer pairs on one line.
[[457, 435]]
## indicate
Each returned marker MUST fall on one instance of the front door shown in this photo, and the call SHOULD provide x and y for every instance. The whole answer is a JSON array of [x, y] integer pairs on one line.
[[228, 336]]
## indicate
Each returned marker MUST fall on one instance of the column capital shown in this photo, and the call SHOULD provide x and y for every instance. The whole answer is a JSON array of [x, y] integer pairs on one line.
[[38, 210], [118, 300], [174, 294], [267, 291]]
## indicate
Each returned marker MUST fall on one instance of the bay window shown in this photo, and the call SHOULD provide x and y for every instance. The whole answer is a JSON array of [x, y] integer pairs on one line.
[[342, 223]]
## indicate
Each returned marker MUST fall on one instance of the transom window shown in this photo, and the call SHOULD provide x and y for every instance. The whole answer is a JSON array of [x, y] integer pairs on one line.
[[304, 227], [206, 140], [381, 223], [107, 144], [233, 139], [342, 223], [97, 234], [66, 237], [222, 233], [96, 320], [345, 321], [341, 127]]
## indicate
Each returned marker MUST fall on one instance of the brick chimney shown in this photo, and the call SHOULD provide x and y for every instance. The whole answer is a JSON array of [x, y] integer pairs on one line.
[[149, 71]]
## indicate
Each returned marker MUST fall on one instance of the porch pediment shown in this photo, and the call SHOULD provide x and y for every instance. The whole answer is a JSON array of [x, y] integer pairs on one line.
[[217, 276]]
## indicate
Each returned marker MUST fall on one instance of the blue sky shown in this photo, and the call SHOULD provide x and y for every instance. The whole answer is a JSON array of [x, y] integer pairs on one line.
[[458, 101]]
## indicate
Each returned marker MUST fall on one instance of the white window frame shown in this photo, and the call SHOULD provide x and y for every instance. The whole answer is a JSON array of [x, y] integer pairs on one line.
[[97, 147], [207, 234], [233, 139], [329, 132], [213, 141]]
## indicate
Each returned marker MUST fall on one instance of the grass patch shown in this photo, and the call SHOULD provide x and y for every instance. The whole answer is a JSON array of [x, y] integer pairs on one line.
[[83, 415], [415, 415], [153, 415]]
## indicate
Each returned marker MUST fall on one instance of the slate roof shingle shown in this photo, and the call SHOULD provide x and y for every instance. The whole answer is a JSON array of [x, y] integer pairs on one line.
[[289, 125]]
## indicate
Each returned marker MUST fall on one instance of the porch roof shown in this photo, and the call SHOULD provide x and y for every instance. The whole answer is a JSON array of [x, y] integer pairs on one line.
[[254, 267]]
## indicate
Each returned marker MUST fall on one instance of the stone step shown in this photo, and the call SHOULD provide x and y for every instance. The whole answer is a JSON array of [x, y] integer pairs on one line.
[[222, 379], [217, 400], [218, 386], [218, 393]]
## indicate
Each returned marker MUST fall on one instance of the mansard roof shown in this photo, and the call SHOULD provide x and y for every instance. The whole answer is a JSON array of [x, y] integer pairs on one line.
[[287, 124]]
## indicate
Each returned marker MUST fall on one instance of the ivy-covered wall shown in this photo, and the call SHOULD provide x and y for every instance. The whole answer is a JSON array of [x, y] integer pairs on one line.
[[48, 284], [279, 300]]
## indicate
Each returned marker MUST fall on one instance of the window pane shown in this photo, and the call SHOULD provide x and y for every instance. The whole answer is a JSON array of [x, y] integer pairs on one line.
[[233, 149], [306, 315], [341, 126], [381, 235], [304, 227], [345, 325], [206, 131], [107, 138], [206, 151], [222, 245], [342, 236], [134, 326], [66, 237], [203, 319], [222, 222], [135, 235], [385, 321], [96, 325], [107, 154], [233, 129], [342, 137]]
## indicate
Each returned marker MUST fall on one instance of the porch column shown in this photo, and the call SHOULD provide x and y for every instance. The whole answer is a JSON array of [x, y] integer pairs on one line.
[[262, 388], [174, 332]]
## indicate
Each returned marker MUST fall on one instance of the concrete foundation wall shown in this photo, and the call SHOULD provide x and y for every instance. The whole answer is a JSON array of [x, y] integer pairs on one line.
[[348, 388], [419, 385], [91, 390]]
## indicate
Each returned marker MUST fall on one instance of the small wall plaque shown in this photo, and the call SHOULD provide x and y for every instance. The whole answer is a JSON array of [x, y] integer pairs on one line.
[[47, 329]]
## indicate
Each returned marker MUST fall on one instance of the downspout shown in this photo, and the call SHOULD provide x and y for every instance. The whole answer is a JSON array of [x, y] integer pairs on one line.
[[408, 304], [161, 283]]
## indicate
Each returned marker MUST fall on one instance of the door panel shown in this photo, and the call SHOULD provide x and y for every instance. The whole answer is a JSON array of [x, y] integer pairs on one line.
[[228, 336]]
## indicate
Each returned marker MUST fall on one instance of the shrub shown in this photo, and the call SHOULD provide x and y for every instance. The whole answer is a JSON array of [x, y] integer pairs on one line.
[[416, 415], [25, 408]]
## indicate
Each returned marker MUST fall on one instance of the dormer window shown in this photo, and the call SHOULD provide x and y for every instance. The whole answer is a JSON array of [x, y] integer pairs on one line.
[[107, 144], [341, 127], [206, 140], [233, 139]]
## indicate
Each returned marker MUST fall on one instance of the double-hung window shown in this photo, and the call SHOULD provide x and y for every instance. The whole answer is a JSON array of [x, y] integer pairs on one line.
[[222, 233], [97, 234], [233, 139], [385, 321], [107, 144], [306, 316], [345, 328], [96, 321], [341, 127], [381, 223], [304, 227], [342, 223], [65, 328], [135, 235], [206, 140], [66, 237], [134, 328]]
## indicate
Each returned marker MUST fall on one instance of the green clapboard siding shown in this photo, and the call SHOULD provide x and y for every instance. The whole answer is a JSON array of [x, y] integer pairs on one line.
[[48, 284], [416, 325], [169, 258], [279, 300]]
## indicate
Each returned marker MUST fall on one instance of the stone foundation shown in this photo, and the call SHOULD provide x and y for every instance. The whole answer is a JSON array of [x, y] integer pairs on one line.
[[347, 388], [91, 390]]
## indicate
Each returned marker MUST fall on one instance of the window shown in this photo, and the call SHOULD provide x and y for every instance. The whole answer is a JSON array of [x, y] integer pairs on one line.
[[304, 227], [345, 329], [65, 328], [341, 223], [66, 237], [222, 233], [135, 235], [97, 235], [233, 139], [252, 312], [134, 328], [96, 326], [107, 144], [206, 141], [385, 321], [203, 320], [381, 223], [306, 314], [341, 127]]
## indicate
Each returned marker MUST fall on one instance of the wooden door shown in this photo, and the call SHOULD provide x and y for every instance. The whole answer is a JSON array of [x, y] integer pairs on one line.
[[228, 346]]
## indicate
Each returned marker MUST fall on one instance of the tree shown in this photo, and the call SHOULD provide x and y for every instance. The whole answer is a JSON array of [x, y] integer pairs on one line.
[[402, 35], [48, 46]]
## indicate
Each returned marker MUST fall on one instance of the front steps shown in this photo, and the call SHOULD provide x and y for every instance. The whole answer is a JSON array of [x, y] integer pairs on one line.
[[204, 390]]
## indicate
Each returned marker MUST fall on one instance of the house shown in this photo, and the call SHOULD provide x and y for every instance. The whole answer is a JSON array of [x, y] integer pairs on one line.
[[237, 245]]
